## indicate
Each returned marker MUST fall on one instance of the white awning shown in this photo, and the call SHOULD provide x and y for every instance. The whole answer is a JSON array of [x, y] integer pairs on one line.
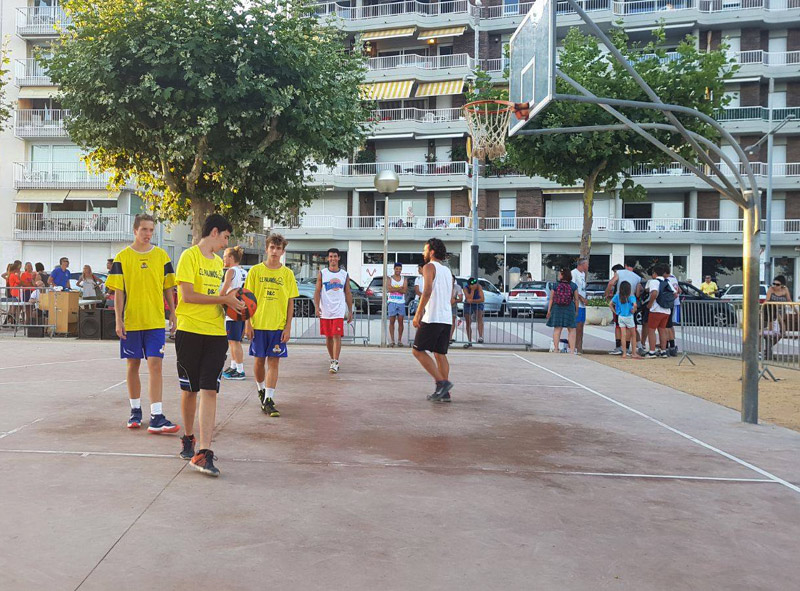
[[37, 92], [40, 196]]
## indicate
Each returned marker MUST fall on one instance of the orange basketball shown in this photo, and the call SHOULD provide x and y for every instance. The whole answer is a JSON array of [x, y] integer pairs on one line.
[[250, 304]]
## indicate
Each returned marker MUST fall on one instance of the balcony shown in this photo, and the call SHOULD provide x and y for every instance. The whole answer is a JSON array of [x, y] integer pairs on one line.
[[420, 122], [36, 22], [73, 226], [404, 223], [40, 123], [413, 175], [58, 175], [396, 14], [398, 67], [253, 242], [779, 63], [29, 72]]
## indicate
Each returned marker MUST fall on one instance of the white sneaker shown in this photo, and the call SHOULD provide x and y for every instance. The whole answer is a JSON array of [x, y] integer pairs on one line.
[[334, 366], [330, 368]]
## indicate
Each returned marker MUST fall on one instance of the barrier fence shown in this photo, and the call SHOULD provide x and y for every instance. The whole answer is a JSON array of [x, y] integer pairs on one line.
[[24, 310], [780, 334], [305, 324]]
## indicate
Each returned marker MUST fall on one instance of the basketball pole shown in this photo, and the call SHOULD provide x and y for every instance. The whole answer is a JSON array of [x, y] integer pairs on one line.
[[476, 171]]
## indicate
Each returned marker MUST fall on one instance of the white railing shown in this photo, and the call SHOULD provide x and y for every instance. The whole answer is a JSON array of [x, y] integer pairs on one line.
[[498, 64], [422, 62], [371, 222], [40, 122], [506, 10], [73, 226], [729, 5], [673, 169], [402, 168], [766, 58], [390, 9], [652, 6], [41, 21], [787, 169], [29, 72], [749, 113], [418, 115], [57, 175]]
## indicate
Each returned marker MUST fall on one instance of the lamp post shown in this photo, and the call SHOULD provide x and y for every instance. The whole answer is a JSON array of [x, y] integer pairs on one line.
[[476, 171], [386, 182], [769, 136]]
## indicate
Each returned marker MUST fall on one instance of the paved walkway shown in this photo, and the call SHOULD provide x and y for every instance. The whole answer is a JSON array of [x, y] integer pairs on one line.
[[546, 472]]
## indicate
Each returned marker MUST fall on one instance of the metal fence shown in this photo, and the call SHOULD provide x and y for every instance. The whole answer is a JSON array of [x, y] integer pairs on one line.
[[780, 334], [305, 324], [21, 312]]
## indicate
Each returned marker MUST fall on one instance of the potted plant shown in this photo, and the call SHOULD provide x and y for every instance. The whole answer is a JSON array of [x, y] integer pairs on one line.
[[597, 312]]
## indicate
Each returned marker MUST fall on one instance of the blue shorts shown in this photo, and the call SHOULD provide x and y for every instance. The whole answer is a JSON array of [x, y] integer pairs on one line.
[[143, 344], [267, 343], [470, 309], [234, 329], [397, 309], [581, 317]]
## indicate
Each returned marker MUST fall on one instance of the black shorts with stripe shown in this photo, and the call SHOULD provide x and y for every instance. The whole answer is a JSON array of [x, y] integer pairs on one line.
[[201, 359], [433, 337]]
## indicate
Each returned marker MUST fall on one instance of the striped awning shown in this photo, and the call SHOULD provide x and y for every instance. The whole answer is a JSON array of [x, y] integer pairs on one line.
[[438, 33], [384, 91], [388, 34], [41, 196], [440, 88]]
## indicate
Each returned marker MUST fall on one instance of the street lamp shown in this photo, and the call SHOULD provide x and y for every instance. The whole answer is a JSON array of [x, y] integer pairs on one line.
[[769, 136], [386, 182], [474, 249]]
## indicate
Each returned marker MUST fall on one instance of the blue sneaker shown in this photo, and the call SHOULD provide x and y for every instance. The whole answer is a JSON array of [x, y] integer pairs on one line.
[[228, 373], [160, 424], [136, 418], [237, 375]]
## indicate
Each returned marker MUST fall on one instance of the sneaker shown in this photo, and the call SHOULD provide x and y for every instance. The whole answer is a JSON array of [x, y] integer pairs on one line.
[[651, 355], [552, 348], [269, 408], [673, 351], [441, 389], [467, 345], [262, 395], [334, 366], [160, 424], [136, 418], [228, 373], [445, 398], [616, 351], [330, 367], [640, 350], [664, 354], [480, 340], [187, 452], [237, 375], [203, 461]]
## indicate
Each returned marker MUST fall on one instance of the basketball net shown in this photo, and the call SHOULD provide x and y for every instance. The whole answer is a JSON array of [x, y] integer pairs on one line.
[[487, 122]]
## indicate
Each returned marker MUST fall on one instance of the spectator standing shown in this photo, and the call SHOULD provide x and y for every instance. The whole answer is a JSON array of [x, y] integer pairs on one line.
[[90, 284], [709, 287], [623, 305], [29, 279], [672, 348], [419, 286], [563, 309], [14, 280], [474, 299], [579, 279], [458, 296], [396, 303], [623, 274], [43, 275], [60, 275], [500, 286], [774, 315], [660, 305]]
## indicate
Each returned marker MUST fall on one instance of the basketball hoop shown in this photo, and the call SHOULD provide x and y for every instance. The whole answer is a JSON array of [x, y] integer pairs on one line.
[[487, 122]]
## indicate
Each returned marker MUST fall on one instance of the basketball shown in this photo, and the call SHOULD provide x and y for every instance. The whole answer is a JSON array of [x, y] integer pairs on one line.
[[250, 304]]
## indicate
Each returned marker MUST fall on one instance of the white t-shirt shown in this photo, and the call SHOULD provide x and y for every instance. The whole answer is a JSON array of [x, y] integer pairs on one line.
[[419, 282], [653, 286], [579, 279], [333, 303], [239, 276], [673, 283]]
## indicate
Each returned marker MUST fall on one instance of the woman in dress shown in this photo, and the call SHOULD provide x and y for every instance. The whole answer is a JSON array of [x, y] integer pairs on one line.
[[89, 283], [563, 309]]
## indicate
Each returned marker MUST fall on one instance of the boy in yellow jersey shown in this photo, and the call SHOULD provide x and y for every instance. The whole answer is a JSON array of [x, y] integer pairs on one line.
[[201, 343], [141, 276], [269, 329]]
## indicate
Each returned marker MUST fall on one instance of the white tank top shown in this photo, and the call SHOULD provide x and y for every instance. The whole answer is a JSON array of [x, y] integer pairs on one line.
[[396, 297], [332, 301], [239, 275], [438, 309]]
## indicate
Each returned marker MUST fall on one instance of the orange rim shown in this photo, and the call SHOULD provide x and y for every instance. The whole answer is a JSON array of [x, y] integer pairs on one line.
[[502, 106]]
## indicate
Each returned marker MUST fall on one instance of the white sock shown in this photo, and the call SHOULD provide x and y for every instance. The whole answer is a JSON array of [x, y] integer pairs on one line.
[[233, 364], [240, 367], [261, 385], [271, 393], [155, 408], [136, 402]]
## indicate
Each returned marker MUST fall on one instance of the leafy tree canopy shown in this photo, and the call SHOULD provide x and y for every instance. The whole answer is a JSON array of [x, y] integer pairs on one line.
[[5, 108], [209, 104]]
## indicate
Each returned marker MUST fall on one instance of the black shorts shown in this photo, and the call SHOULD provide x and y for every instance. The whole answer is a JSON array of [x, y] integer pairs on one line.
[[669, 320], [433, 337], [201, 359]]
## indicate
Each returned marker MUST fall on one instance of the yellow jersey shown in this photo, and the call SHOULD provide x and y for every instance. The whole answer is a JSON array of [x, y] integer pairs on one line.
[[143, 276], [273, 289], [206, 276], [710, 289]]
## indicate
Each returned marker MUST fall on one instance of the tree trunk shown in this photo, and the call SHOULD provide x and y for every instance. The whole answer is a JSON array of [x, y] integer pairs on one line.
[[588, 205], [201, 209]]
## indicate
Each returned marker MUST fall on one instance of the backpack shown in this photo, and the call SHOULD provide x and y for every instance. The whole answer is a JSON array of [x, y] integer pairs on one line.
[[665, 297], [562, 296]]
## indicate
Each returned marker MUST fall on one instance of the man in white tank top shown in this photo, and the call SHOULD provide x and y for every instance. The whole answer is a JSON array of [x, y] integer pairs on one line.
[[433, 319], [333, 301]]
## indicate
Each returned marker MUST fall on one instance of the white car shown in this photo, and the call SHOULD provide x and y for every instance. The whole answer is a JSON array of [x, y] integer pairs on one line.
[[735, 293], [495, 301]]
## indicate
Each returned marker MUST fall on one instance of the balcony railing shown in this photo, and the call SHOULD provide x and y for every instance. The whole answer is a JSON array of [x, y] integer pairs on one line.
[[73, 226], [40, 122], [371, 222], [651, 6], [494, 65], [41, 21], [766, 58], [417, 115], [390, 9], [402, 168], [786, 169], [422, 62], [57, 175], [29, 72]]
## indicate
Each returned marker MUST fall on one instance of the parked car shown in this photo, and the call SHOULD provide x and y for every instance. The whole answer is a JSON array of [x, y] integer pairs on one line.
[[374, 293], [73, 279], [714, 313], [595, 289], [495, 301], [528, 297], [304, 303], [735, 293]]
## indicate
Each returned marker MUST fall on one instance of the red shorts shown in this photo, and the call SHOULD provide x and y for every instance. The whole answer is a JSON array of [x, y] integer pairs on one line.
[[657, 320], [331, 327]]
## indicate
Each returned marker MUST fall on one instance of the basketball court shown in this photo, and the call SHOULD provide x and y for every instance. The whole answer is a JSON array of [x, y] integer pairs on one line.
[[546, 471]]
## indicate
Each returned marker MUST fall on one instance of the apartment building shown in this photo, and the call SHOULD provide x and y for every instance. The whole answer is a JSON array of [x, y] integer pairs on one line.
[[420, 55]]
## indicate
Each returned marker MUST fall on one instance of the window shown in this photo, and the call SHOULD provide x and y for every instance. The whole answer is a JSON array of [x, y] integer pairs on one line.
[[508, 218]]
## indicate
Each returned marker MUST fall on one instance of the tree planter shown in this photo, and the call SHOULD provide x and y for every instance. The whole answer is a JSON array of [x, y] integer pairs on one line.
[[598, 316]]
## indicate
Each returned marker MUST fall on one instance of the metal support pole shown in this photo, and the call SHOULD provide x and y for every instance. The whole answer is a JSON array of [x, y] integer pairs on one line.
[[476, 171], [385, 290], [750, 260], [505, 261], [770, 141]]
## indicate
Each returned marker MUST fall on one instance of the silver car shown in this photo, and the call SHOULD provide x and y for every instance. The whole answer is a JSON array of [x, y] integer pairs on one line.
[[528, 297], [495, 301]]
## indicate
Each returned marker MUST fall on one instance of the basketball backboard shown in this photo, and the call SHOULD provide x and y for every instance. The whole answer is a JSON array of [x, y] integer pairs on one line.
[[533, 61]]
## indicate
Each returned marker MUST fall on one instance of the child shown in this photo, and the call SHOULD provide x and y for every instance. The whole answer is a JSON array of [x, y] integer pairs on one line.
[[623, 305], [234, 279], [269, 329]]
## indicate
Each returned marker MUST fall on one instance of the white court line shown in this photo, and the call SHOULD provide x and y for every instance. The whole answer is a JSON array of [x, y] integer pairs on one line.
[[710, 447], [20, 428], [86, 454], [339, 378], [71, 361], [115, 385]]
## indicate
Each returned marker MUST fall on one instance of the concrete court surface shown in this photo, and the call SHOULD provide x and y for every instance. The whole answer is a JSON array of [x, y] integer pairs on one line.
[[546, 472]]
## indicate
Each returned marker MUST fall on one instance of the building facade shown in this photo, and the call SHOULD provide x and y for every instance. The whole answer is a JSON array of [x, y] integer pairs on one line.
[[420, 54]]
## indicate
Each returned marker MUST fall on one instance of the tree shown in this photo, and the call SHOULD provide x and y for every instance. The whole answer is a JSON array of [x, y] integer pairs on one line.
[[209, 104], [5, 108], [603, 159]]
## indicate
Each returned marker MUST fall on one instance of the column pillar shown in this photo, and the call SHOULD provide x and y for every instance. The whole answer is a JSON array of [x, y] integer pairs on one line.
[[535, 260], [617, 255], [355, 210], [796, 280], [693, 205], [355, 259], [466, 259], [694, 265]]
